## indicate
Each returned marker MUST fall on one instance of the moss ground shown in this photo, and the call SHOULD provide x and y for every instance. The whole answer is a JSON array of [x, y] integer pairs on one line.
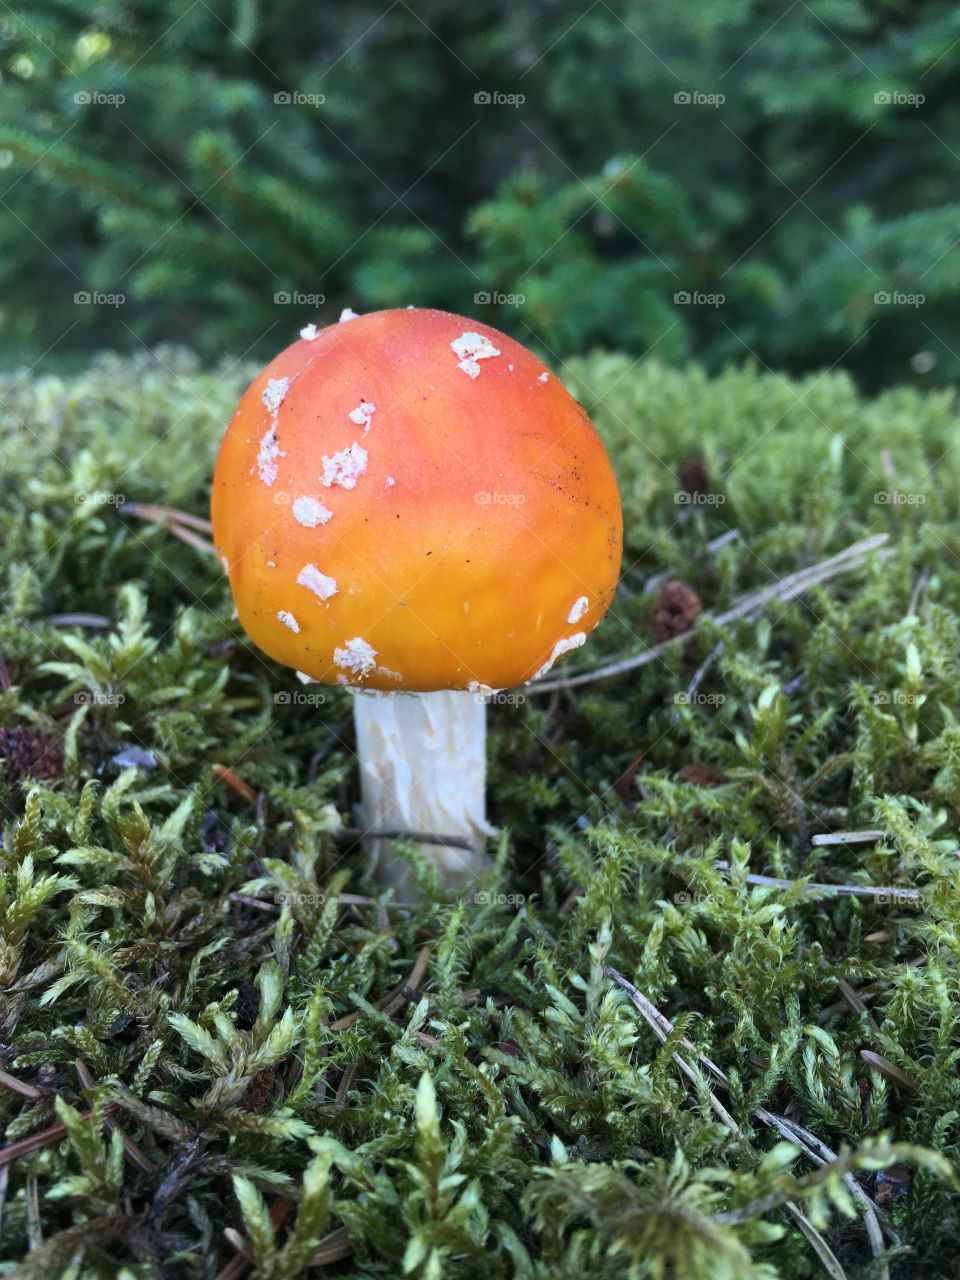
[[261, 1064]]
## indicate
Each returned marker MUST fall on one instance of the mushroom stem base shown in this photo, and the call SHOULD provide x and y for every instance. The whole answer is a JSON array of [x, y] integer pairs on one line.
[[423, 768]]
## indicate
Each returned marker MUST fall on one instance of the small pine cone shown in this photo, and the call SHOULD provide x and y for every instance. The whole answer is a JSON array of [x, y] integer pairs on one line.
[[703, 775], [692, 475], [259, 1092], [28, 754], [677, 609]]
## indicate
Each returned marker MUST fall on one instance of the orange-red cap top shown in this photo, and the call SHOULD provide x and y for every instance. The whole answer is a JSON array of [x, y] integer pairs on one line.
[[411, 500]]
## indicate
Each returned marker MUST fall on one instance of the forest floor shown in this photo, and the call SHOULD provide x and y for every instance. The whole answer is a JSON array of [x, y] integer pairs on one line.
[[701, 1022]]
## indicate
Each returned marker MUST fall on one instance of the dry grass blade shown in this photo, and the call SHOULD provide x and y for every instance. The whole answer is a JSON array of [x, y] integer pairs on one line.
[[194, 540], [856, 1003], [847, 837], [817, 886], [788, 588], [888, 1069], [332, 1248], [235, 1268], [166, 515], [828, 1258], [95, 621], [247, 900], [662, 1027], [180, 523], [242, 1260], [239, 1242], [820, 1153]]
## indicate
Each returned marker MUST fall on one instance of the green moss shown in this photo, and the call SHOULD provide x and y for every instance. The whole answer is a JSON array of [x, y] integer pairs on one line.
[[514, 1114]]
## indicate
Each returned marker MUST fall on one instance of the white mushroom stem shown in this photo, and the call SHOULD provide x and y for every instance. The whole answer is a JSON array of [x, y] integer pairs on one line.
[[423, 768]]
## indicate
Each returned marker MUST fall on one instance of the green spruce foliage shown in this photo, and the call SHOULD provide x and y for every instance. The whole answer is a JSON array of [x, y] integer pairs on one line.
[[582, 165], [622, 1056]]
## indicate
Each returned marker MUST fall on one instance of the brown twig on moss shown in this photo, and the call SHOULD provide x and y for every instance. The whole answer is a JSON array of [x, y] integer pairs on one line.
[[235, 782], [44, 1138], [20, 1086], [130, 1148], [393, 1000]]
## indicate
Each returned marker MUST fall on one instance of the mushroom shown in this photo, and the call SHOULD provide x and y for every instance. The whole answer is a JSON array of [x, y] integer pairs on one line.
[[410, 506]]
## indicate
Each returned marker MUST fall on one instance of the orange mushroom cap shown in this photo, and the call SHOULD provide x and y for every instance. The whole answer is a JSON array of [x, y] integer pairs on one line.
[[411, 500]]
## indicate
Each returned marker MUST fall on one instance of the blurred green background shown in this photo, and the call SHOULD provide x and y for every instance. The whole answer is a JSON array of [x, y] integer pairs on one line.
[[205, 171]]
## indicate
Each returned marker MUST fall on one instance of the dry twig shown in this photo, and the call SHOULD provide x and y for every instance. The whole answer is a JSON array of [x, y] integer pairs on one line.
[[130, 1148], [20, 1086], [788, 588], [44, 1138], [841, 890], [393, 1000], [412, 837], [235, 782]]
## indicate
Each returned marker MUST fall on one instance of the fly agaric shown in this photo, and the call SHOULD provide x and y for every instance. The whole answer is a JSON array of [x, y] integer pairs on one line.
[[409, 504]]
